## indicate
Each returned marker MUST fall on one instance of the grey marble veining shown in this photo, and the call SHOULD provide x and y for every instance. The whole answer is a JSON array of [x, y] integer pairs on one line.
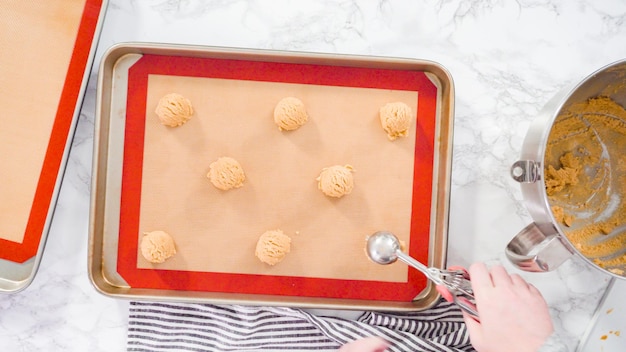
[[507, 59]]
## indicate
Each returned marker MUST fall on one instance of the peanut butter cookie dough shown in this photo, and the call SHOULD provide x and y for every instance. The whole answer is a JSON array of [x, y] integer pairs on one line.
[[272, 247], [396, 119], [174, 110], [585, 177], [226, 173], [157, 246], [290, 114], [336, 181]]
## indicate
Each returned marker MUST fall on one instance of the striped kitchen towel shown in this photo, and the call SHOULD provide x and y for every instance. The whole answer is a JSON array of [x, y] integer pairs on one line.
[[204, 327]]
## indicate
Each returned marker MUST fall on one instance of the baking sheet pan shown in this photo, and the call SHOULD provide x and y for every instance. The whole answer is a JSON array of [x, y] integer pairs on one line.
[[47, 48], [149, 177]]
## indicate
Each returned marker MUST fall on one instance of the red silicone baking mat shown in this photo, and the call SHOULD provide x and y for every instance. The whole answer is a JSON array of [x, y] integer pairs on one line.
[[45, 49], [294, 276]]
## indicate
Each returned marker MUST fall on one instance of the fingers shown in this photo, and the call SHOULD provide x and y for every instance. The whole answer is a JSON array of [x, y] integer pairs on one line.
[[534, 290], [443, 291], [474, 329], [366, 344], [495, 276], [480, 275], [519, 281], [468, 307], [472, 324], [500, 276]]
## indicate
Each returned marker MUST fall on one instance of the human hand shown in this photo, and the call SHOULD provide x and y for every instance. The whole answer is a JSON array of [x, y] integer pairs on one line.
[[513, 314], [366, 344]]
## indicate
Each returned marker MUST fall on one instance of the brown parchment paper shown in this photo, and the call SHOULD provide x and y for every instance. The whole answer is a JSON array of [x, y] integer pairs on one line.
[[217, 231], [36, 44]]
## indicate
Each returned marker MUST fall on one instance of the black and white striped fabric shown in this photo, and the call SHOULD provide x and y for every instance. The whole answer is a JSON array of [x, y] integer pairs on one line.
[[203, 327]]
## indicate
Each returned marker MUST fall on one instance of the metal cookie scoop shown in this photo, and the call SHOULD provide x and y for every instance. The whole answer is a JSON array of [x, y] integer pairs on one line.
[[384, 248]]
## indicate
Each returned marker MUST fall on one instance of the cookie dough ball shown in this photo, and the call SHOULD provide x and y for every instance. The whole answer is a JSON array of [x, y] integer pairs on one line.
[[226, 173], [290, 114], [174, 110], [272, 247], [336, 181], [157, 246], [396, 119]]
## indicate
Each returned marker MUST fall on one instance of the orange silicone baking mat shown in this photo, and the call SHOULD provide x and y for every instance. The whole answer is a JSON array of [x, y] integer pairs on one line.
[[45, 48], [164, 185]]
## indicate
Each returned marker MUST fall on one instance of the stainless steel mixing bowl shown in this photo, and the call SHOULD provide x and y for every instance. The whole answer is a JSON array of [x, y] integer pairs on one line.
[[543, 244]]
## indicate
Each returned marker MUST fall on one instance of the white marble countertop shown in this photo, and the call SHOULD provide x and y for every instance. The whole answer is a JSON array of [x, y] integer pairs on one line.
[[507, 58]]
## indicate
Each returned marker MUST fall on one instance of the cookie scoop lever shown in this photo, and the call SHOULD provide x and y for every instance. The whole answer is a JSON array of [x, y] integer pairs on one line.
[[384, 248]]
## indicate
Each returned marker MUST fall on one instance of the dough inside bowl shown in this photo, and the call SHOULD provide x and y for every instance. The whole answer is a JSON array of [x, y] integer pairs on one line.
[[585, 177]]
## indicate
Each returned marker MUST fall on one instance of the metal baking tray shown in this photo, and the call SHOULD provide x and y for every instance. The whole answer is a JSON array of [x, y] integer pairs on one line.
[[125, 93], [44, 76]]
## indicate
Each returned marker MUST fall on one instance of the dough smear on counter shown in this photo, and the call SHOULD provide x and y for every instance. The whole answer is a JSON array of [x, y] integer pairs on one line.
[[396, 119], [226, 173], [336, 181], [290, 114], [157, 246], [174, 110], [272, 247]]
